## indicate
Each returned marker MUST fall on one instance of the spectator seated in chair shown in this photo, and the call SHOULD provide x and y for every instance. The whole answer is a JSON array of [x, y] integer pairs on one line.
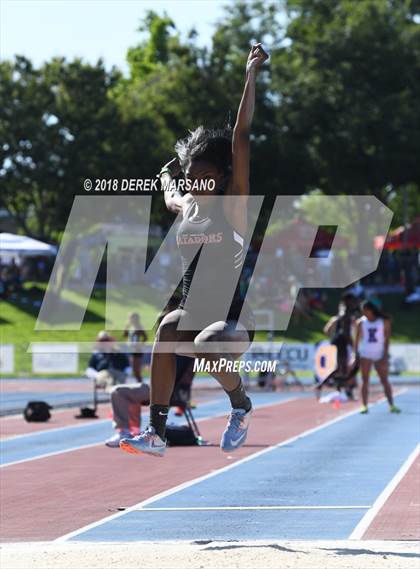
[[107, 365], [126, 401]]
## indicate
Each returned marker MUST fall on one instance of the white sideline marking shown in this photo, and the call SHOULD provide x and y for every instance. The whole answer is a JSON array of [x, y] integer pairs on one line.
[[56, 411], [368, 518], [90, 445], [53, 430], [222, 508], [189, 483], [48, 454]]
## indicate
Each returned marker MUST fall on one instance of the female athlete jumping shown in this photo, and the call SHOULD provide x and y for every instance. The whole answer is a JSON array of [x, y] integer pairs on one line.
[[220, 224], [373, 333]]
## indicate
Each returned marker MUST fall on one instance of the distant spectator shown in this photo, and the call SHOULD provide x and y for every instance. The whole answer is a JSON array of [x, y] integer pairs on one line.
[[107, 365], [315, 300], [357, 290], [387, 267], [408, 262], [41, 269], [340, 331], [3, 289], [136, 335], [375, 299], [395, 268], [10, 276]]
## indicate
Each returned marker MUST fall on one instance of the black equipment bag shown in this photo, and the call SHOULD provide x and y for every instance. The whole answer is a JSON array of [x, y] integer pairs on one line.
[[37, 412], [181, 435]]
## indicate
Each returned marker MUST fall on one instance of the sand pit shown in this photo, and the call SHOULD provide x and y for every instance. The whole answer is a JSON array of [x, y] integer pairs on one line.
[[213, 555]]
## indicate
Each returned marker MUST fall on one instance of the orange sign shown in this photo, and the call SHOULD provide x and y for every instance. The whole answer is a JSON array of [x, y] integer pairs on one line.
[[325, 360]]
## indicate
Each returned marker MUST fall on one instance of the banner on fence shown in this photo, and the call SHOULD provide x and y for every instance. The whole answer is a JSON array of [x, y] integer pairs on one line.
[[55, 357], [301, 357], [7, 358], [405, 357], [64, 357], [297, 356]]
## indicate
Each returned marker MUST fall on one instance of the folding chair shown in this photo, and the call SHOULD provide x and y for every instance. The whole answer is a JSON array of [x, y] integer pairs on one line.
[[181, 398]]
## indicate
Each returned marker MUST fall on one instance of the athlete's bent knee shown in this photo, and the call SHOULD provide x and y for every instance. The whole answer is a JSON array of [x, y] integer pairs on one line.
[[167, 332], [205, 343]]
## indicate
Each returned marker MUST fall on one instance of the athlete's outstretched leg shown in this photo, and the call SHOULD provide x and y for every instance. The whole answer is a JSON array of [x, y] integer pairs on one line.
[[163, 372], [224, 342], [163, 365], [163, 368], [228, 340]]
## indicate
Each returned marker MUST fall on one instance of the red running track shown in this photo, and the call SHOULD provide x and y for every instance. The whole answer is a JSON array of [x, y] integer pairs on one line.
[[16, 425], [11, 426], [399, 516]]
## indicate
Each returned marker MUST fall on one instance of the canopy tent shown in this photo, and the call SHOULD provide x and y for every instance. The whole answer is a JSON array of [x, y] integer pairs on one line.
[[21, 246], [401, 237]]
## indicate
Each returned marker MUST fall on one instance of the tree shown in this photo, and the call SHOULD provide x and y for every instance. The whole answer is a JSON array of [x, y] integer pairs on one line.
[[336, 106], [350, 82], [57, 125]]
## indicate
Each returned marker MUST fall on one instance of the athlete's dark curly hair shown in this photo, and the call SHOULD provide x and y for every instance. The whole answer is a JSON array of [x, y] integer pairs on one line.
[[212, 145], [377, 312]]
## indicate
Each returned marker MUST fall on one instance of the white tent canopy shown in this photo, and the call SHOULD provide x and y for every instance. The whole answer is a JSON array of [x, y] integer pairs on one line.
[[21, 246]]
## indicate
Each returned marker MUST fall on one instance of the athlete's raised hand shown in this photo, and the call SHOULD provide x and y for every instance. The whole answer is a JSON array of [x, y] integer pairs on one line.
[[173, 168], [256, 57]]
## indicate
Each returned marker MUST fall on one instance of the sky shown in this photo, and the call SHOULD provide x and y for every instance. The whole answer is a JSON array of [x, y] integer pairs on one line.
[[42, 29]]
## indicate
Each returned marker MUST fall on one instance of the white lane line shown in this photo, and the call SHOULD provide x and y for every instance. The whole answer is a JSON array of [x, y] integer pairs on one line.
[[56, 412], [76, 426], [90, 445], [53, 430], [368, 518], [199, 479], [48, 454], [222, 508]]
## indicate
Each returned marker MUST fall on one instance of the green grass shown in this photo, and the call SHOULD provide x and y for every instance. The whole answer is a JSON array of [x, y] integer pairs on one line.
[[18, 317]]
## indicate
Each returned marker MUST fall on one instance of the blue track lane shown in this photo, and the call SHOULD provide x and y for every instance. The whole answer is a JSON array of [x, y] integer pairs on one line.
[[44, 442], [15, 401], [348, 463]]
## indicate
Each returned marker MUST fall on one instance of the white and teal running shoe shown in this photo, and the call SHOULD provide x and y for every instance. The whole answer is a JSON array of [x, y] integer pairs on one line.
[[147, 442], [236, 430]]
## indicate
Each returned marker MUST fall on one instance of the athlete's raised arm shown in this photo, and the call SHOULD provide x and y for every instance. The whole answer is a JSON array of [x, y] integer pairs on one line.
[[242, 128], [329, 327], [240, 141]]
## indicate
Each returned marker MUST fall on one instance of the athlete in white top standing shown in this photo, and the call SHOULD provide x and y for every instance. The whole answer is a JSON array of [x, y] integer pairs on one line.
[[373, 332]]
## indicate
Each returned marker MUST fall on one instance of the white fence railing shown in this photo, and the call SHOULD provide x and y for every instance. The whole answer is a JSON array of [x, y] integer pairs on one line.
[[63, 358]]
